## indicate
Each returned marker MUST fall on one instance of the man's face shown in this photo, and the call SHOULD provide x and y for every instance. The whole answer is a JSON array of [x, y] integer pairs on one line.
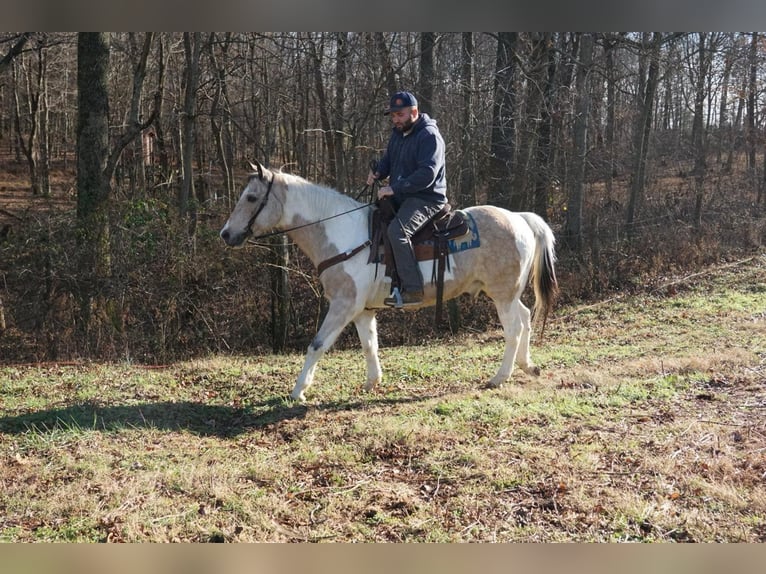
[[404, 118]]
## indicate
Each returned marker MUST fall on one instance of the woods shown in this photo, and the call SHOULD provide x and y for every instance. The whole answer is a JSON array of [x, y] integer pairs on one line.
[[123, 152]]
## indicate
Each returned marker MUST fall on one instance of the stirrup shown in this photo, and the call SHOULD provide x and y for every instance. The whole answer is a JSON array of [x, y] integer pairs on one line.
[[395, 300]]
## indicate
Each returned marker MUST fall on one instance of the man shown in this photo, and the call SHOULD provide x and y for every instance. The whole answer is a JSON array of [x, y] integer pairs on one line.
[[414, 164]]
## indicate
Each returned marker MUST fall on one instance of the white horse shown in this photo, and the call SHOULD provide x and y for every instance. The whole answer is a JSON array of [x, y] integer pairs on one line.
[[325, 223]]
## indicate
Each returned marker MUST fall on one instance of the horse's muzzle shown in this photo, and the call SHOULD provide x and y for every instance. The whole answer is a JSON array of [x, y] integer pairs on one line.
[[232, 239]]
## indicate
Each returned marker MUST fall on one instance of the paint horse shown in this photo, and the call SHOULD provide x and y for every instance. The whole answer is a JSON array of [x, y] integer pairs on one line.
[[330, 226]]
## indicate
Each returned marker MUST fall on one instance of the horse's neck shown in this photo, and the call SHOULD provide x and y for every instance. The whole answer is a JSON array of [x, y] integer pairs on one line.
[[310, 205]]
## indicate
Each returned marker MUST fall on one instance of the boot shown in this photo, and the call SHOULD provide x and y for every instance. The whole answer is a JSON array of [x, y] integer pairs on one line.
[[401, 299]]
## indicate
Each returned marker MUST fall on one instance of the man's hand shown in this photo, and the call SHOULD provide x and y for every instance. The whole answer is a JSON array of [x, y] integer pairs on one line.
[[372, 177], [384, 192]]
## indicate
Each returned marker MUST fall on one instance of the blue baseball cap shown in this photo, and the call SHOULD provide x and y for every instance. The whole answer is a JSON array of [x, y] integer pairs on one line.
[[401, 100]]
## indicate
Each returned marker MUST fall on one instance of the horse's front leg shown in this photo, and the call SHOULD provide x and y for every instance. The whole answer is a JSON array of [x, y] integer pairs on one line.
[[367, 328], [338, 316]]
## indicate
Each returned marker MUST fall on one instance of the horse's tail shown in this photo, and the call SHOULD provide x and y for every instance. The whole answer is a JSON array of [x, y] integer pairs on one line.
[[543, 272]]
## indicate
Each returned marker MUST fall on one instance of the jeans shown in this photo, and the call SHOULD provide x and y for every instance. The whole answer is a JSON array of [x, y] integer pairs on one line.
[[411, 216]]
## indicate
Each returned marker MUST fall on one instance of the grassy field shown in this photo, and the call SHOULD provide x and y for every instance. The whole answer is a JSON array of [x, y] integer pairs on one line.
[[647, 424]]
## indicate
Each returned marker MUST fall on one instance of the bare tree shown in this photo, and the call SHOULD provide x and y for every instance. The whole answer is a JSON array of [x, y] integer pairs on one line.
[[704, 59], [574, 223], [647, 87], [339, 117], [31, 111], [18, 46], [503, 132], [426, 72], [93, 184], [192, 47], [466, 165], [220, 112], [389, 76]]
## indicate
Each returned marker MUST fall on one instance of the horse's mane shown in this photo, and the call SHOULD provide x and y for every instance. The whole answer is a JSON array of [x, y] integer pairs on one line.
[[321, 197]]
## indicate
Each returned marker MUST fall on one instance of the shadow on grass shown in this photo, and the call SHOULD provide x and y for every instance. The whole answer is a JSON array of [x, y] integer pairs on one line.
[[199, 418]]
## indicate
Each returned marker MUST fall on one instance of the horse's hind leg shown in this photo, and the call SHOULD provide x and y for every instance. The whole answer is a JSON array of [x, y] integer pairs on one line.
[[367, 328], [338, 316], [523, 358], [512, 316]]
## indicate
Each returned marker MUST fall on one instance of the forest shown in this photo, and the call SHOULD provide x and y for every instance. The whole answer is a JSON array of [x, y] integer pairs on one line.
[[122, 154]]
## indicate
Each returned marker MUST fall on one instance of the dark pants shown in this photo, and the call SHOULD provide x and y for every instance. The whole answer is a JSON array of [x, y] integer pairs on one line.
[[411, 216]]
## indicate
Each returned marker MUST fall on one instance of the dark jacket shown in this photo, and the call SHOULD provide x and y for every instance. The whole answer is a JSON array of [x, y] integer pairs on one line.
[[414, 162]]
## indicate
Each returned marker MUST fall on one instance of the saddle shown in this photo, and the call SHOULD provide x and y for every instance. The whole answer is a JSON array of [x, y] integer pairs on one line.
[[430, 243]]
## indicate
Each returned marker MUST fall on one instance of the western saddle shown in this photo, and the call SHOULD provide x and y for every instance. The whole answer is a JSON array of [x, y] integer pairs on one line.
[[431, 243]]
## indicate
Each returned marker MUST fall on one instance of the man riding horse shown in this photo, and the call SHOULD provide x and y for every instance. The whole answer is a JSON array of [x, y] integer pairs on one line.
[[414, 163]]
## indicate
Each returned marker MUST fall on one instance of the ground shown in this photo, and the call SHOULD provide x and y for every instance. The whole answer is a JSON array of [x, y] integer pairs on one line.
[[647, 424]]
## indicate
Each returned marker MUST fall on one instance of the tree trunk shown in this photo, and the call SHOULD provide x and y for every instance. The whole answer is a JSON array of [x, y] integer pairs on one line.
[[698, 128], [384, 55], [220, 113], [324, 113], [426, 75], [503, 133], [467, 194], [93, 186], [751, 97], [527, 168], [134, 125], [574, 222], [610, 44], [752, 136], [341, 77], [725, 131], [162, 147], [642, 130], [16, 49], [544, 143], [30, 110], [280, 296], [191, 78]]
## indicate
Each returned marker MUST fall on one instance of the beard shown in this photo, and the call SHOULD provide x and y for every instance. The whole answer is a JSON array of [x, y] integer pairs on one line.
[[408, 123]]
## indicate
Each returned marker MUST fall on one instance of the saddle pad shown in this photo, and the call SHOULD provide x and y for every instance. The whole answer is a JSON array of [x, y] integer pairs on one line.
[[425, 251]]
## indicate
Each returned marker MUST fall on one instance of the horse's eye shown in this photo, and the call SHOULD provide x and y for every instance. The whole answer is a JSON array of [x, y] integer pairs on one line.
[[251, 197]]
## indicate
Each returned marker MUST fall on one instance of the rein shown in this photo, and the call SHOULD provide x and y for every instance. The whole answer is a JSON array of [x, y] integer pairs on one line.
[[289, 229], [348, 254]]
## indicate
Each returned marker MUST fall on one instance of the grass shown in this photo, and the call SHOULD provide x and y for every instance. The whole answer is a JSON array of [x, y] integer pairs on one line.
[[646, 425]]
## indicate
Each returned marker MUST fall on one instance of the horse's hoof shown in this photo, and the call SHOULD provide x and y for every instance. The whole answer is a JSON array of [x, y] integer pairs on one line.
[[300, 397], [534, 370], [494, 384], [370, 385]]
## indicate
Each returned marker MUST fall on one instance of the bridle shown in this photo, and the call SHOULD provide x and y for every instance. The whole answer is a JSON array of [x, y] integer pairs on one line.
[[249, 229]]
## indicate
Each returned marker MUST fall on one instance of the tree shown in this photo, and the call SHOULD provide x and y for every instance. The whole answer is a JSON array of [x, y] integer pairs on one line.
[[647, 87], [192, 47], [220, 112], [31, 113], [18, 46], [503, 132], [339, 117], [93, 185], [467, 194], [426, 72], [544, 152], [574, 223], [704, 59]]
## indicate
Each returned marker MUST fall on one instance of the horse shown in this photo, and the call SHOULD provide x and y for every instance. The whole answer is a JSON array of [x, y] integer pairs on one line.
[[332, 229]]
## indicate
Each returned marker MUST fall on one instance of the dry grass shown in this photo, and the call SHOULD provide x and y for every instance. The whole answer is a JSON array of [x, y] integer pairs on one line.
[[646, 425]]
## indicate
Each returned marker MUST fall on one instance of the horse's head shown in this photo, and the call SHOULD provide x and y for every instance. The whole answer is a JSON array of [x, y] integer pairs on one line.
[[256, 210]]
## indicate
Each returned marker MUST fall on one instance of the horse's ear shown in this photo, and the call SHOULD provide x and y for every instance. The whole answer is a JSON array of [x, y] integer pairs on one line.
[[257, 167]]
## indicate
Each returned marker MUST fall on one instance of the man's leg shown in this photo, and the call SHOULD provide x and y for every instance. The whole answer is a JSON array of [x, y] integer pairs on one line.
[[412, 215]]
